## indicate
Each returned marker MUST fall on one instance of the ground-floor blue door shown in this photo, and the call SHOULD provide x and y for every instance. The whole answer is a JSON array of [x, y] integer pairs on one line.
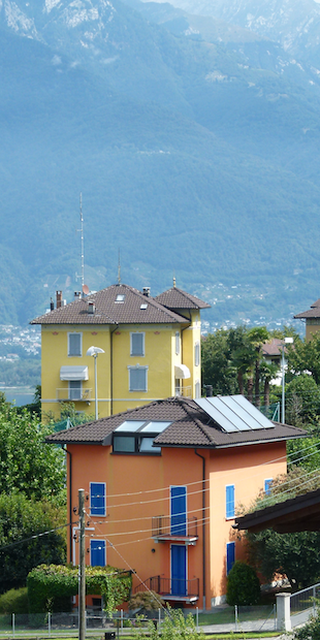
[[178, 511], [178, 570]]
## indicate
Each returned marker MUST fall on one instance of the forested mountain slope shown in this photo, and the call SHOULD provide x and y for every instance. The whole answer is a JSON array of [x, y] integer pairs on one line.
[[196, 154]]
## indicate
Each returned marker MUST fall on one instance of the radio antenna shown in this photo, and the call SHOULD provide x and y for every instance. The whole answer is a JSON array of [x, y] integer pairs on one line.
[[119, 267], [81, 243]]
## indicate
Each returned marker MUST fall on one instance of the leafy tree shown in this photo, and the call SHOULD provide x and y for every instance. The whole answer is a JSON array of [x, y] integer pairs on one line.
[[257, 337], [216, 367], [302, 401], [296, 555], [21, 548], [27, 463], [305, 356]]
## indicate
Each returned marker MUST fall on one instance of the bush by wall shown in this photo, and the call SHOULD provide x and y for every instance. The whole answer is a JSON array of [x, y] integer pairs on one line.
[[14, 601], [243, 587], [50, 587]]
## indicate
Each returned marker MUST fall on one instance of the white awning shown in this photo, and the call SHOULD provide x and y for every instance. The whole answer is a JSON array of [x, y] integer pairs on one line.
[[74, 373], [181, 372]]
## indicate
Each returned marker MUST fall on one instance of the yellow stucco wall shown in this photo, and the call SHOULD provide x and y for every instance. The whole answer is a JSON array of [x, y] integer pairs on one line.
[[159, 357], [311, 329]]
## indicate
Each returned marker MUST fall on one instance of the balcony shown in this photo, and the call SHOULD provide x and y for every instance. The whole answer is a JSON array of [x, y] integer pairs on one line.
[[74, 395], [185, 392], [175, 530], [173, 590]]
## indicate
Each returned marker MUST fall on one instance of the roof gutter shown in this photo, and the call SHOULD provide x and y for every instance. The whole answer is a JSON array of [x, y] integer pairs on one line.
[[203, 528]]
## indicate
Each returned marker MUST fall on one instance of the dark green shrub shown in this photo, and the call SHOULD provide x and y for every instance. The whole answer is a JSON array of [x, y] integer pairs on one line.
[[243, 587], [14, 601], [311, 630], [146, 601]]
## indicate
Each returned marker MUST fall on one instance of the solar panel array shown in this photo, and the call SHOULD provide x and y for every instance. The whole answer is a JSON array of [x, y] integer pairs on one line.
[[234, 413]]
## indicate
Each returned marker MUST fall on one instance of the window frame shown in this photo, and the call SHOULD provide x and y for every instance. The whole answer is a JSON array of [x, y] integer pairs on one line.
[[73, 355], [197, 354], [230, 546], [102, 510], [177, 343], [230, 501], [143, 350], [137, 368], [267, 486], [104, 547]]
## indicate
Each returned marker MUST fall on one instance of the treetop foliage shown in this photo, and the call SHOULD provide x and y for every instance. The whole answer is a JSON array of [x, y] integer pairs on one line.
[[27, 463]]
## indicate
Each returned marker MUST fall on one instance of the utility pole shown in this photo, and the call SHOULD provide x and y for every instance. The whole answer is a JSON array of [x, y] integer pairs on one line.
[[82, 568]]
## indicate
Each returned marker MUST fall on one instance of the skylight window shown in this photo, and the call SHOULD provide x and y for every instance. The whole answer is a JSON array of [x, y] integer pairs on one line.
[[120, 297], [155, 427], [143, 306], [130, 426]]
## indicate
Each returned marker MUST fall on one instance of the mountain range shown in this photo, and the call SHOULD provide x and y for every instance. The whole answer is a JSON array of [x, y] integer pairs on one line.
[[192, 132]]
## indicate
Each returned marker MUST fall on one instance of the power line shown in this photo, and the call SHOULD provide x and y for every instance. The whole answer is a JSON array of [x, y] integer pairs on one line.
[[37, 535]]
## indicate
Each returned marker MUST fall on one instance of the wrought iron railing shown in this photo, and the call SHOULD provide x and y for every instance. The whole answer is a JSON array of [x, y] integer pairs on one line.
[[166, 527], [73, 395], [167, 587], [186, 392]]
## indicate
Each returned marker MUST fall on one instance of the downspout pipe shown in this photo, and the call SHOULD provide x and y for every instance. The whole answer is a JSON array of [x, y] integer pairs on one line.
[[70, 502], [203, 527], [111, 369]]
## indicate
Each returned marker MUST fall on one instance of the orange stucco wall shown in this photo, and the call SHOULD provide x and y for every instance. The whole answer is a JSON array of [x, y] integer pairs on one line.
[[138, 488]]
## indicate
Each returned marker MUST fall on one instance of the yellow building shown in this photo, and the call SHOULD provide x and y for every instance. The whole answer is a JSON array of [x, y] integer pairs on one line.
[[312, 319], [150, 349]]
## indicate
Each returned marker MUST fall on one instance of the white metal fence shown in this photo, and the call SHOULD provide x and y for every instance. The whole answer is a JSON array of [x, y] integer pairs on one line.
[[224, 618]]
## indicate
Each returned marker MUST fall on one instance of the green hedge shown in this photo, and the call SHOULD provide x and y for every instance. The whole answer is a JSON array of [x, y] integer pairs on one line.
[[50, 587], [14, 601]]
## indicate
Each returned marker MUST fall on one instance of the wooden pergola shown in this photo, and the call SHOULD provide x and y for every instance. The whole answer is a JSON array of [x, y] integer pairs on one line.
[[301, 513]]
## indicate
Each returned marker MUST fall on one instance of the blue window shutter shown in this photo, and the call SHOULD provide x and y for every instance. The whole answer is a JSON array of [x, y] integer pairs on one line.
[[231, 553], [98, 553], [97, 499], [230, 501], [267, 486]]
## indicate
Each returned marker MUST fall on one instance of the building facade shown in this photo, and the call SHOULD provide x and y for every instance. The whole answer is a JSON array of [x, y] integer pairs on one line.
[[151, 349], [163, 483]]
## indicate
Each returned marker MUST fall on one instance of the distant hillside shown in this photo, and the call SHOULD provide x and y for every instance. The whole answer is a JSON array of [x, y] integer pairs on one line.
[[195, 156]]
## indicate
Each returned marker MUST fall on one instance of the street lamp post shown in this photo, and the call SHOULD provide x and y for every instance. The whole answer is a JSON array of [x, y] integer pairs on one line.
[[286, 341], [93, 351]]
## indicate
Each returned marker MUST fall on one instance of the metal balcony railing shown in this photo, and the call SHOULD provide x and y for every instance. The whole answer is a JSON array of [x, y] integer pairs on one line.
[[171, 589], [185, 392], [168, 527], [74, 395]]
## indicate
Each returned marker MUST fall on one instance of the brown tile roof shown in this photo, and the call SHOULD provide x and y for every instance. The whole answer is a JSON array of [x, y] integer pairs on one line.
[[108, 311], [177, 299], [272, 348], [313, 312], [190, 427]]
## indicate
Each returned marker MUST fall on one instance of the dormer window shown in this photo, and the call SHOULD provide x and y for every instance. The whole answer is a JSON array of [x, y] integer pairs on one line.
[[120, 297], [134, 436]]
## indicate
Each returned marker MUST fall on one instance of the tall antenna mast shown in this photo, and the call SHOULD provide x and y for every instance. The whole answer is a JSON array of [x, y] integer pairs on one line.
[[119, 267], [81, 243]]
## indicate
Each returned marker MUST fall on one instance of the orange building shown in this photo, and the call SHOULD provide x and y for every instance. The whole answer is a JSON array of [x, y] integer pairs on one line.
[[163, 482]]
